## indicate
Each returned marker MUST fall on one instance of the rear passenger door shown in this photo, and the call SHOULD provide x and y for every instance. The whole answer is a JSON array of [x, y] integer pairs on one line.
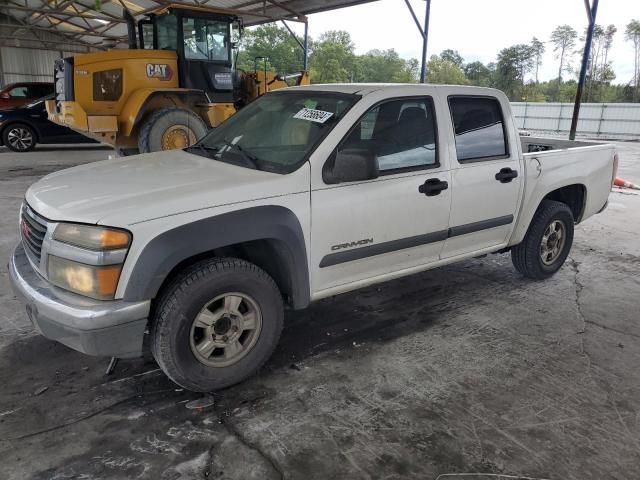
[[365, 229], [485, 175]]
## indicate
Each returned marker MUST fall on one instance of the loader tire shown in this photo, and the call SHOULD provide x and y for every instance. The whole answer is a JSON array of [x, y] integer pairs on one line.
[[547, 243], [170, 128]]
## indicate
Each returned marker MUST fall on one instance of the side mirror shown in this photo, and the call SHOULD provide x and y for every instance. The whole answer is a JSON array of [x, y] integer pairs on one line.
[[352, 165], [5, 95]]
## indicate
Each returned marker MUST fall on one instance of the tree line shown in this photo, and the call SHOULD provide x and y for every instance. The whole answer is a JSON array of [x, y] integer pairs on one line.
[[332, 58]]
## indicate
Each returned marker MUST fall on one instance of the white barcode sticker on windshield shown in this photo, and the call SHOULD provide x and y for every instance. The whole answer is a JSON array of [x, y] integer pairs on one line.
[[318, 116]]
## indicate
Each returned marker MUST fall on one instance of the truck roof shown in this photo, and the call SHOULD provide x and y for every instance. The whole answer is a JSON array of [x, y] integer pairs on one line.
[[366, 88]]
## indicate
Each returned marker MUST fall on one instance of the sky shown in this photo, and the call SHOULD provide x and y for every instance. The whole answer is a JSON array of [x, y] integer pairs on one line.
[[479, 29]]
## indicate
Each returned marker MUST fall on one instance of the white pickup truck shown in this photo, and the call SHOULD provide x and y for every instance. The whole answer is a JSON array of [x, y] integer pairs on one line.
[[306, 193]]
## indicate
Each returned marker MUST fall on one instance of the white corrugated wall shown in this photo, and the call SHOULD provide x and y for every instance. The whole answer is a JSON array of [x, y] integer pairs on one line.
[[26, 65], [607, 120]]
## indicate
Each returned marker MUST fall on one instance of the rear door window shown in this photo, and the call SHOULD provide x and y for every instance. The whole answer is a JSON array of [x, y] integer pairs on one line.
[[479, 128]]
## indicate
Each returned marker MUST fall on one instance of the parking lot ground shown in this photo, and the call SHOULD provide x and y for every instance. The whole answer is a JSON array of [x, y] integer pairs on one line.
[[466, 368]]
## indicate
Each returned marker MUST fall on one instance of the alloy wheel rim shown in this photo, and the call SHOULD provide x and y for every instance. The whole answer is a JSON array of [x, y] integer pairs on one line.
[[225, 330], [552, 242], [20, 138]]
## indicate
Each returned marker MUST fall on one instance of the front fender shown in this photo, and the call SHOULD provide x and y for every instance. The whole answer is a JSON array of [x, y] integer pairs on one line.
[[164, 252]]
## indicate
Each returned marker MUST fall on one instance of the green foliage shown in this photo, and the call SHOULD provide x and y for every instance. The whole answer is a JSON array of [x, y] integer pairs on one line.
[[452, 56], [283, 52], [440, 70], [537, 50], [513, 64], [563, 39], [385, 66], [599, 72], [478, 74], [632, 34], [332, 58]]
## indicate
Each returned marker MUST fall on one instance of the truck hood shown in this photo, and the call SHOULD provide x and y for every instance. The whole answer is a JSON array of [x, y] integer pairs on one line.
[[144, 187]]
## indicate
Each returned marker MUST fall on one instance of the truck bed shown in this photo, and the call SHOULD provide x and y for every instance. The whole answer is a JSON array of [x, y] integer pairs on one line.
[[542, 144], [554, 163]]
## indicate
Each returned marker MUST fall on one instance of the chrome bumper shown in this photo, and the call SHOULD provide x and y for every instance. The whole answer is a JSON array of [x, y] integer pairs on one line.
[[112, 328]]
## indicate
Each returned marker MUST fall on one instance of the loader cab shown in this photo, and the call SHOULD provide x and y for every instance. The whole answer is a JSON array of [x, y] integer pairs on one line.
[[203, 44]]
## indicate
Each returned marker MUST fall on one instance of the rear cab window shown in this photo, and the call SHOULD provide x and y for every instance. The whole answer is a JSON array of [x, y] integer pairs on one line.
[[479, 128]]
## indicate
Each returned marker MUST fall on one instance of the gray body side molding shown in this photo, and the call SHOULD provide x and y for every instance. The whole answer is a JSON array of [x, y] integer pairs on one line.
[[168, 249]]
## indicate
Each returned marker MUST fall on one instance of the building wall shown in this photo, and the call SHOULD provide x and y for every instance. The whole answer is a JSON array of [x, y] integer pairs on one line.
[[24, 64], [605, 120]]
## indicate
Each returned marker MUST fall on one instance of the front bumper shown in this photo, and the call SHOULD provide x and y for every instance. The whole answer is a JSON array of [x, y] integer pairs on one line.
[[112, 328]]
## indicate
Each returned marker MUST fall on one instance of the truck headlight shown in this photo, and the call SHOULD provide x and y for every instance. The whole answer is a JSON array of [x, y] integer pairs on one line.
[[94, 273], [92, 237], [99, 282]]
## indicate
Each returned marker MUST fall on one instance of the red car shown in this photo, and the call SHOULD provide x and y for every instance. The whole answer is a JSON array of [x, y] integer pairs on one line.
[[16, 94]]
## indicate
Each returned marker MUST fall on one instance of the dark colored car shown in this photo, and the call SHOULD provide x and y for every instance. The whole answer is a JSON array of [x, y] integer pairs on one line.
[[21, 128], [16, 94]]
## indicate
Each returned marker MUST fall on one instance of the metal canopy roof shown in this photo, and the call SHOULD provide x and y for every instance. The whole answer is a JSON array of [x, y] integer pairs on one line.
[[84, 25]]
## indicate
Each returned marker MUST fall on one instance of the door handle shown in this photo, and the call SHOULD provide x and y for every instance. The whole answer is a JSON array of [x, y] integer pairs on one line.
[[505, 175], [433, 187]]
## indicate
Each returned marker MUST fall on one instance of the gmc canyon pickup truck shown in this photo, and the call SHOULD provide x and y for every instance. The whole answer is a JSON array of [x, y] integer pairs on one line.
[[306, 193]]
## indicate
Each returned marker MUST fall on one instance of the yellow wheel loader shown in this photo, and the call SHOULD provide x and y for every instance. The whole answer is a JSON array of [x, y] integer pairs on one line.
[[175, 81]]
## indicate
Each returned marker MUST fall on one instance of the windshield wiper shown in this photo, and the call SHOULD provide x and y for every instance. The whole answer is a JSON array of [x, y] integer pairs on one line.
[[249, 157], [203, 148]]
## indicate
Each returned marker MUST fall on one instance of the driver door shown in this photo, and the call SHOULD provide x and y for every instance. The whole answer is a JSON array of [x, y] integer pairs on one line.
[[365, 230]]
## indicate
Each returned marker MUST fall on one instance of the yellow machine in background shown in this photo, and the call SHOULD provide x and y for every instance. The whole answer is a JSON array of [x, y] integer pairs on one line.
[[175, 82]]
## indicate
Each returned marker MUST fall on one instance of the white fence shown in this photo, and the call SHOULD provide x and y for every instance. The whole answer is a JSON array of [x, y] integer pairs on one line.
[[605, 120]]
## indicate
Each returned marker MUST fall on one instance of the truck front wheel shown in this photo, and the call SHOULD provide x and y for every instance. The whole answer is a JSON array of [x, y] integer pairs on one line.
[[547, 243], [170, 128], [216, 324]]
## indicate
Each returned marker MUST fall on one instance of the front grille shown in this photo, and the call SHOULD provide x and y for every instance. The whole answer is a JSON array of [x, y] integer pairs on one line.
[[33, 228]]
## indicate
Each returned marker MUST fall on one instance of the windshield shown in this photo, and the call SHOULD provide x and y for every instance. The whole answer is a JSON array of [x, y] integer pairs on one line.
[[277, 132]]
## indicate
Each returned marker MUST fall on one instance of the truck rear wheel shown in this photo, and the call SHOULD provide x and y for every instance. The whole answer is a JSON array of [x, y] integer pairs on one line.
[[547, 243], [216, 324], [170, 128]]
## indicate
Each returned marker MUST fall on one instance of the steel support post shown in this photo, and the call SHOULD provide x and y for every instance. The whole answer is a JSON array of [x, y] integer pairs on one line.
[[591, 12], [424, 31]]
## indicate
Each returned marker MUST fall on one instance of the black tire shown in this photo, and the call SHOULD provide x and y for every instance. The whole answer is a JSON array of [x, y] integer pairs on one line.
[[186, 297], [125, 152], [154, 127], [19, 137], [527, 256]]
